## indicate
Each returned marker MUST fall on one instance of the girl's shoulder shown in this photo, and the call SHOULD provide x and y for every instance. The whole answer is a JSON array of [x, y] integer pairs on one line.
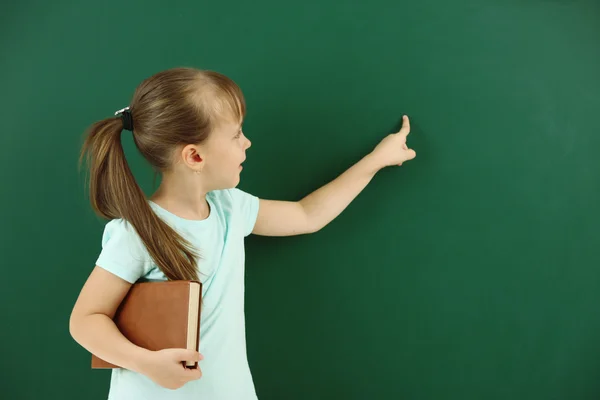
[[237, 206], [123, 252], [233, 200], [120, 230]]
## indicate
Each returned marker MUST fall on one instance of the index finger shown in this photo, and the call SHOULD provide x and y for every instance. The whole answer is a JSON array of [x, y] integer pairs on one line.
[[405, 126]]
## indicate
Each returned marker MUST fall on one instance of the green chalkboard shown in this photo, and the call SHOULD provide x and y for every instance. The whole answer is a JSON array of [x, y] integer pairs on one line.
[[471, 272]]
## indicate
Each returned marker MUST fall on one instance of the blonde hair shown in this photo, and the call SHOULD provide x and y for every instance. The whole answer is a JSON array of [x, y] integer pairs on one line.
[[175, 107]]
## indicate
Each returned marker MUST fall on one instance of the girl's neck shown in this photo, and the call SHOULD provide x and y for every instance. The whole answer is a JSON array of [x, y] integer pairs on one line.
[[182, 197]]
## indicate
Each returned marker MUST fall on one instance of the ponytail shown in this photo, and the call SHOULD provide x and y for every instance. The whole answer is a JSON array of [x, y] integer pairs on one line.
[[114, 193]]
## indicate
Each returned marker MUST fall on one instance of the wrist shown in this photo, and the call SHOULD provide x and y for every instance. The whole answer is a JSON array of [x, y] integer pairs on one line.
[[370, 164], [141, 359]]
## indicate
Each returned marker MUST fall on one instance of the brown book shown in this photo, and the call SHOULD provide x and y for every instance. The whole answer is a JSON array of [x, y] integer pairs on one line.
[[159, 315]]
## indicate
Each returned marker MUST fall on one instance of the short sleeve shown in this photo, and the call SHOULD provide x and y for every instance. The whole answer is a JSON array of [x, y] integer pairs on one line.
[[123, 252], [246, 205]]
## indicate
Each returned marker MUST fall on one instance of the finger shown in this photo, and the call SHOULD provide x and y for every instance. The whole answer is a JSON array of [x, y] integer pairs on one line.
[[410, 154], [192, 374], [405, 126], [189, 355]]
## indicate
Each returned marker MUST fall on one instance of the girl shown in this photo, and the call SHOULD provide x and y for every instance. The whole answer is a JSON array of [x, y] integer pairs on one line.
[[188, 124]]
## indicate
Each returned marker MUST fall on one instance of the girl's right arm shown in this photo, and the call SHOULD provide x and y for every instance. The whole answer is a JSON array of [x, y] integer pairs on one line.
[[91, 325]]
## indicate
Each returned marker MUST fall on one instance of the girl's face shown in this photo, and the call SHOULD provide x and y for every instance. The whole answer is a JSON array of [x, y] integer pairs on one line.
[[224, 152]]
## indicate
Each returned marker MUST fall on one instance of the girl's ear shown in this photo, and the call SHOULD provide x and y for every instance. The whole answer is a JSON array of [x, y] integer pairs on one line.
[[193, 157]]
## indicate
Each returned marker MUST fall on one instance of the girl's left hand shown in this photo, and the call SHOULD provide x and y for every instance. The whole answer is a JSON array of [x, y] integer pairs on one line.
[[392, 150]]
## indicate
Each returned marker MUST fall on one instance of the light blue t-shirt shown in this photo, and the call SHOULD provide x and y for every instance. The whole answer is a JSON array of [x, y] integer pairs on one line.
[[219, 240]]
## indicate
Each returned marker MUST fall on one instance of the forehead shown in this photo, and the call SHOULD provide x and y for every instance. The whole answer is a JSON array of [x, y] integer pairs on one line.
[[224, 130], [227, 124]]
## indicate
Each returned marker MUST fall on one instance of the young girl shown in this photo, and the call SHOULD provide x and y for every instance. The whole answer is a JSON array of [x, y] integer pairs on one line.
[[188, 124]]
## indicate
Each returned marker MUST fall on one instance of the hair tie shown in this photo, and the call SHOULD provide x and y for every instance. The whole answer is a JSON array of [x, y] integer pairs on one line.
[[126, 118]]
